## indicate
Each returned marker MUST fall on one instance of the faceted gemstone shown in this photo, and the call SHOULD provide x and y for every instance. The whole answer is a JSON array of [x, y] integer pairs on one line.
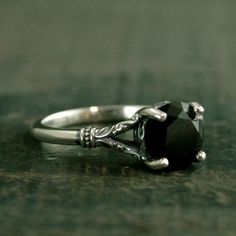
[[179, 138]]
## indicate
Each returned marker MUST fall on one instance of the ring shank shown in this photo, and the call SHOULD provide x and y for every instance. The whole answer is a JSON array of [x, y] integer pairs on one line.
[[55, 128]]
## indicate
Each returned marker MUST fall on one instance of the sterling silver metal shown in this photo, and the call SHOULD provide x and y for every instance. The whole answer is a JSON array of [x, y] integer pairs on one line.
[[58, 129]]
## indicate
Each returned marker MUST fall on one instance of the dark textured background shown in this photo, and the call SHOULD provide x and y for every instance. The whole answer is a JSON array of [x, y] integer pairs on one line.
[[56, 55]]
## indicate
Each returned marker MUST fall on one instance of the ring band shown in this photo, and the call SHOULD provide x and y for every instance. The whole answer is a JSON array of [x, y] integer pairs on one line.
[[167, 134], [52, 129]]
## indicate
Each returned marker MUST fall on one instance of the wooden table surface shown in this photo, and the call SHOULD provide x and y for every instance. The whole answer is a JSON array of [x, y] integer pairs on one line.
[[56, 55]]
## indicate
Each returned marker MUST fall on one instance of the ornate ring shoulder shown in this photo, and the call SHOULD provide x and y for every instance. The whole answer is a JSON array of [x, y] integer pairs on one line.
[[168, 133]]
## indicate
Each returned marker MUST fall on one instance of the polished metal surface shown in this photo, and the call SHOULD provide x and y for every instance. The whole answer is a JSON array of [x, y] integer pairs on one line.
[[57, 55], [58, 128], [55, 128]]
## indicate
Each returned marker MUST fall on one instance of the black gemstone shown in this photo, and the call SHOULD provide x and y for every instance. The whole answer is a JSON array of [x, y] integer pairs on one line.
[[179, 138]]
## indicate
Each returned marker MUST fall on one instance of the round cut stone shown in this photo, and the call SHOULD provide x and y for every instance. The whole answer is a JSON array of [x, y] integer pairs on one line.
[[178, 139]]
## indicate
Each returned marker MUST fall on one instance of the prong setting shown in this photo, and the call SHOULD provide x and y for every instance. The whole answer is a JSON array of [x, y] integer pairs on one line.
[[166, 135], [201, 156], [153, 113], [178, 138], [157, 164], [198, 110]]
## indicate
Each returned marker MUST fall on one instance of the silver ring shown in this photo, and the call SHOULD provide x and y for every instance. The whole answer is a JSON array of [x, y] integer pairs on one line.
[[165, 135]]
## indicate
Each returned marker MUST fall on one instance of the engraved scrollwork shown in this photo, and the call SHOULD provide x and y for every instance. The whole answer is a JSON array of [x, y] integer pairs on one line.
[[94, 137], [90, 137], [116, 129]]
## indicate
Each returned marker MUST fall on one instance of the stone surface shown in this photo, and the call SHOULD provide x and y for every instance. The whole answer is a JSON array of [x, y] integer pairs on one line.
[[56, 55], [179, 138]]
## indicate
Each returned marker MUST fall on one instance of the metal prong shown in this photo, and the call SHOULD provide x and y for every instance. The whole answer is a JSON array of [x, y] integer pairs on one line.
[[198, 109], [201, 156], [158, 164], [153, 113]]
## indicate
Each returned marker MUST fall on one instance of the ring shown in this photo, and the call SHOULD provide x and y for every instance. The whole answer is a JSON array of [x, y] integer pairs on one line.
[[165, 135]]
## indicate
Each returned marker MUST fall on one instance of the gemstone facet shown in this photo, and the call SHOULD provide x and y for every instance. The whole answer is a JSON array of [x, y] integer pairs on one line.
[[179, 138]]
